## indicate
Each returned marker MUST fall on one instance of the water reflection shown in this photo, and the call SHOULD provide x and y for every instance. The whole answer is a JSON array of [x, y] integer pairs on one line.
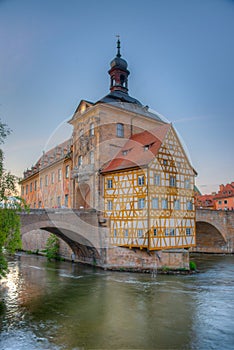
[[66, 306]]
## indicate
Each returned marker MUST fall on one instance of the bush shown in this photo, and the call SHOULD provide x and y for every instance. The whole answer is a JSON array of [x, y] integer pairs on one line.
[[52, 248], [192, 265]]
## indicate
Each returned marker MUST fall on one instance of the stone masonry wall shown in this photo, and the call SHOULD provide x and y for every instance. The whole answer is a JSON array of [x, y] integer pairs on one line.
[[36, 241], [215, 231], [140, 260]]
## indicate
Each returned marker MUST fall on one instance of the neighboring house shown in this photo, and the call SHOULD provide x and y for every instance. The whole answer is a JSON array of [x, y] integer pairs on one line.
[[149, 196], [224, 199], [205, 201]]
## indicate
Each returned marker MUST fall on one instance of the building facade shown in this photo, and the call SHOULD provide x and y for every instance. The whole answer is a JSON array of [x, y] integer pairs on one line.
[[148, 193], [48, 183], [126, 163], [222, 200]]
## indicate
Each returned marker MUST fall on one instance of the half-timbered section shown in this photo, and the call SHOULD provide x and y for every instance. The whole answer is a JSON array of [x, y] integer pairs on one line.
[[148, 192]]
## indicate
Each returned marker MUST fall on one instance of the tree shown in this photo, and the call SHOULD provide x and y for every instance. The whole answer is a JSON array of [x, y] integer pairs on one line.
[[10, 239]]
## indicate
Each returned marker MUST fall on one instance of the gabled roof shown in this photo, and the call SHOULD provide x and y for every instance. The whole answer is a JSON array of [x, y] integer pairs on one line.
[[83, 103], [139, 150]]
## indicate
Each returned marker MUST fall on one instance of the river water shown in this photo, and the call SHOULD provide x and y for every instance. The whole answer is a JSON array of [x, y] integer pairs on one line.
[[61, 305]]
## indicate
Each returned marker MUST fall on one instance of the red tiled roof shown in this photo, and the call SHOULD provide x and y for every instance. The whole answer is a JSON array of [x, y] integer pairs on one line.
[[139, 150], [50, 153], [225, 191], [205, 200]]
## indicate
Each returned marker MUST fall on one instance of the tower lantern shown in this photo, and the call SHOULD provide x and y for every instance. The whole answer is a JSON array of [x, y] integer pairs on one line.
[[119, 72]]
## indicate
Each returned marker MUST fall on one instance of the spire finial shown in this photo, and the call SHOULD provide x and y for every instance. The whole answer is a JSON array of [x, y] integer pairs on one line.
[[118, 46]]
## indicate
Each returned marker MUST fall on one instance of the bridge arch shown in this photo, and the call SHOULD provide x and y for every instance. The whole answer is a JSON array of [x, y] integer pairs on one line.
[[82, 248], [209, 239], [83, 239]]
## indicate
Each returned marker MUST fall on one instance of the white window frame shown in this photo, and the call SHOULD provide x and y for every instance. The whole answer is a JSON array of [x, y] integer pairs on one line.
[[109, 205], [109, 183], [189, 205], [157, 179], [172, 181], [141, 203], [187, 184], [140, 233], [164, 203], [176, 204], [167, 232], [155, 203], [141, 180]]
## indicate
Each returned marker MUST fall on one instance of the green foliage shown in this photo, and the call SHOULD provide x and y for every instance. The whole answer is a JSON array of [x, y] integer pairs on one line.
[[192, 266], [3, 264], [52, 248], [165, 268], [10, 239]]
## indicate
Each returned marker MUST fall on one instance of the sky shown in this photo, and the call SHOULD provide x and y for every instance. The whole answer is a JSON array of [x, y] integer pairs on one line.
[[180, 54]]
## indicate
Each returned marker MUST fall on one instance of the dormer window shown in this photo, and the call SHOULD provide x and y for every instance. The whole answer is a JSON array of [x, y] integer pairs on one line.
[[147, 147], [83, 108], [126, 151]]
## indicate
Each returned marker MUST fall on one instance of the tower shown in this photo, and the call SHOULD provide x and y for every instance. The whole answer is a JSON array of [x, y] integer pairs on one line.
[[119, 73]]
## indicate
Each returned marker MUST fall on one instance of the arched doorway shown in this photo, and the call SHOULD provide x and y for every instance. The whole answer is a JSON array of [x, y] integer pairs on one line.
[[83, 196]]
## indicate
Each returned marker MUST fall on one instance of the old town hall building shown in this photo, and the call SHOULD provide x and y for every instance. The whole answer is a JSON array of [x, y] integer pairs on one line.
[[124, 162]]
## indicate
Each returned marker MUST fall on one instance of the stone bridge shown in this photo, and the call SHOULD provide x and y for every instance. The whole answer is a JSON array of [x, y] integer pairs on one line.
[[87, 239], [79, 229], [215, 231]]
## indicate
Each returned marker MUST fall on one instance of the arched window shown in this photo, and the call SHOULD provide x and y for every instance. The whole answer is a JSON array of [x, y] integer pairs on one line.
[[122, 80]]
